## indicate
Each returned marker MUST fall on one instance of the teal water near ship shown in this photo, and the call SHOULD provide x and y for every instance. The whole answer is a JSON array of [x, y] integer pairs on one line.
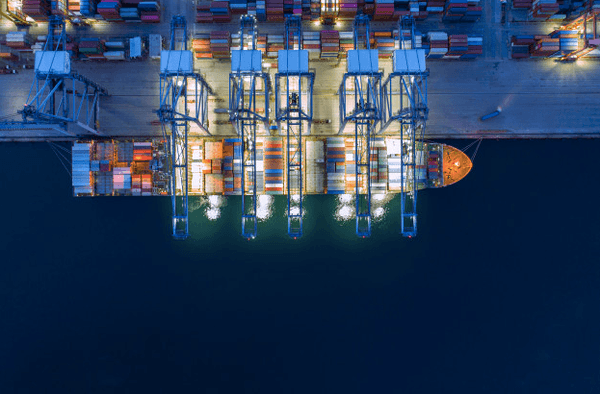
[[497, 294]]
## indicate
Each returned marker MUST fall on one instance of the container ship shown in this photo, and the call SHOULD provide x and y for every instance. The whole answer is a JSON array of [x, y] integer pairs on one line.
[[140, 167]]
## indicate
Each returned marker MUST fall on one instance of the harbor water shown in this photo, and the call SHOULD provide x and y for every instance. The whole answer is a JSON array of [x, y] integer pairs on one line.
[[497, 294]]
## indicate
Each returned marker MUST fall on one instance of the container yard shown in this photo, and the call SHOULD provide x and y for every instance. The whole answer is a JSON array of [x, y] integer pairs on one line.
[[238, 110]]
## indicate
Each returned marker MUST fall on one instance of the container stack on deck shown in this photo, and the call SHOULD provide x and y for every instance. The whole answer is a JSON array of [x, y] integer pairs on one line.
[[219, 44], [433, 168], [394, 167], [261, 43], [82, 176], [350, 166], [315, 162], [273, 165], [220, 11], [213, 157], [196, 165], [378, 166], [232, 166], [330, 44], [543, 9], [336, 165], [122, 180]]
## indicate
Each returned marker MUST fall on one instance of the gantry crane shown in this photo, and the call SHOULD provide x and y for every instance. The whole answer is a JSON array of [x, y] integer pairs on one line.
[[405, 104], [293, 108], [248, 87], [360, 103], [178, 82], [59, 97], [581, 24]]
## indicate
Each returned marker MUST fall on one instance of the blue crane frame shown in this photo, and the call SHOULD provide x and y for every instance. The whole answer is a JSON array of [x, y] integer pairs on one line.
[[173, 91], [365, 114], [410, 111], [67, 100], [291, 112], [245, 118]]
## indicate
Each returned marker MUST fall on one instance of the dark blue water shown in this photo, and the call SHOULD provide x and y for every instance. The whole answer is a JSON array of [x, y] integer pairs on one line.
[[498, 294]]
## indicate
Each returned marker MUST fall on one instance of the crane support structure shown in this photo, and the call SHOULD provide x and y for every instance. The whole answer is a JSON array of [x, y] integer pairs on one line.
[[249, 93], [58, 95], [405, 105], [180, 86], [360, 103], [294, 111]]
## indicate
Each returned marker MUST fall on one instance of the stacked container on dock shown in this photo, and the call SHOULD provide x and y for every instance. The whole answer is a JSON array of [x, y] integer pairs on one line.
[[115, 50], [19, 40], [220, 11], [346, 42], [568, 40], [273, 165], [87, 8], [336, 165], [130, 14], [348, 9], [274, 10], [330, 44], [311, 43], [435, 6], [520, 46], [474, 49], [274, 45], [315, 163], [315, 10], [384, 10], [82, 177], [91, 47], [201, 46], [458, 46], [544, 46], [238, 7], [219, 44], [462, 11], [142, 151], [522, 4], [543, 9], [109, 9], [39, 10], [438, 44], [385, 43], [149, 11], [58, 7], [203, 14]]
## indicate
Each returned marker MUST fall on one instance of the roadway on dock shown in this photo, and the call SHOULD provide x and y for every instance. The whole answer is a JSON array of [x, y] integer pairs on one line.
[[539, 98]]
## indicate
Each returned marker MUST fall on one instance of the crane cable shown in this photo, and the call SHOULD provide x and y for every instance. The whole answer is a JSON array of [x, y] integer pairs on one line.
[[59, 155], [478, 142]]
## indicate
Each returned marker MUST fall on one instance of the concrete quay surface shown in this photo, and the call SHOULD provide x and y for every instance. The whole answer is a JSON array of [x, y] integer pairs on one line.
[[539, 98]]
